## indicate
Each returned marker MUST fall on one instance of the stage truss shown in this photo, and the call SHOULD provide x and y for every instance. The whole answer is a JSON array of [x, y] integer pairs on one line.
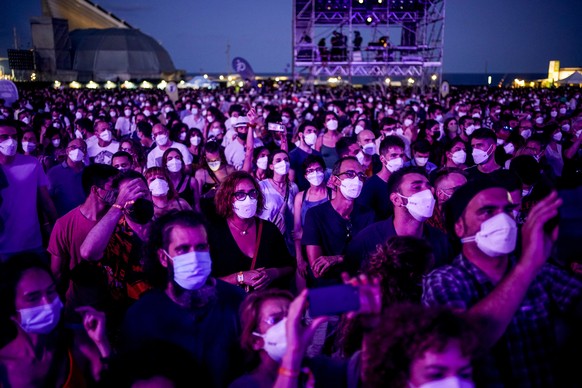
[[412, 52]]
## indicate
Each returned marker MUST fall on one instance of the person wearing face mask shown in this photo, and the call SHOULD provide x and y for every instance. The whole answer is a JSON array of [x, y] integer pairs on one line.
[[235, 151], [32, 325], [412, 198], [195, 144], [330, 226], [185, 185], [484, 144], [316, 194], [446, 182], [247, 251], [368, 155], [65, 180], [194, 119], [466, 128], [187, 307], [487, 280], [161, 136], [123, 123], [23, 195], [553, 152], [29, 144], [421, 152], [279, 193], [105, 147], [307, 135], [414, 342], [373, 193], [327, 141], [164, 195], [117, 238], [456, 154]]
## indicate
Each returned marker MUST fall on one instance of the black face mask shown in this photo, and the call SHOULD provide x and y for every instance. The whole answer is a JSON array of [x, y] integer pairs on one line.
[[242, 136], [141, 212]]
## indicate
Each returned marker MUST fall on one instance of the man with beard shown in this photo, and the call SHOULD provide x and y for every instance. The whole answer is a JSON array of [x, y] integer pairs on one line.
[[187, 307]]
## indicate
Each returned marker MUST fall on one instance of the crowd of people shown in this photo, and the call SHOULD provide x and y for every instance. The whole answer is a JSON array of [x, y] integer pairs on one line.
[[146, 241]]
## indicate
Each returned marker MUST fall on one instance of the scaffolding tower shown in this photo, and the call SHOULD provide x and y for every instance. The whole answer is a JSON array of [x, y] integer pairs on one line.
[[394, 40]]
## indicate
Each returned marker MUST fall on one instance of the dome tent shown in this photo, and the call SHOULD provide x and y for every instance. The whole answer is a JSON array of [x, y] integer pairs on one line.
[[118, 54]]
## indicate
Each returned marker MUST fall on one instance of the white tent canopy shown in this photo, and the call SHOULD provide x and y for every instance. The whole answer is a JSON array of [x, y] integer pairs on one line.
[[574, 78]]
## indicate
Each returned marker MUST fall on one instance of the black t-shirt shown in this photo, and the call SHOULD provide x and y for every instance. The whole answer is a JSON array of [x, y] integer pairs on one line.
[[227, 258], [324, 227], [375, 196], [210, 333], [364, 244]]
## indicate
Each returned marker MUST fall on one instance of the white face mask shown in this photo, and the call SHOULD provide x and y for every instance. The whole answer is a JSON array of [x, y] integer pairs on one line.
[[407, 122], [566, 127], [470, 129], [315, 178], [358, 129], [41, 319], [194, 111], [310, 139], [8, 147], [191, 270], [369, 148], [78, 134], [275, 340], [246, 208], [480, 156], [351, 188], [281, 168], [553, 114], [127, 112], [182, 136], [195, 140], [159, 187], [449, 382], [162, 140], [420, 205], [390, 111], [215, 132], [497, 236], [210, 119], [78, 115], [105, 135], [394, 164], [526, 133], [562, 111], [174, 165], [557, 136], [539, 120], [332, 125], [56, 143], [214, 166], [509, 148], [459, 157], [28, 146], [439, 118], [263, 162], [76, 155], [421, 162]]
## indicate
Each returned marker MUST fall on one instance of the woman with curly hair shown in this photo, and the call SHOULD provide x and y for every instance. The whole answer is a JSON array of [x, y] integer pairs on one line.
[[246, 250], [419, 347]]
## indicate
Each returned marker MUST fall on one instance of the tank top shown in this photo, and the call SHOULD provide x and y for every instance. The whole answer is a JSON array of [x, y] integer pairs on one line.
[[185, 190], [306, 205], [329, 155]]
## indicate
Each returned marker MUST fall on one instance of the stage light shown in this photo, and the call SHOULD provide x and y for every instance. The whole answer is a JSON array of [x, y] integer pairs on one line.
[[221, 77], [379, 1], [361, 1], [109, 85], [74, 85], [369, 20], [92, 85], [57, 85], [205, 76], [433, 77], [387, 81], [410, 81]]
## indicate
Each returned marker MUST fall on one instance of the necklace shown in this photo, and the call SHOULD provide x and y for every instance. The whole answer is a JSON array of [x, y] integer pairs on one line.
[[241, 231]]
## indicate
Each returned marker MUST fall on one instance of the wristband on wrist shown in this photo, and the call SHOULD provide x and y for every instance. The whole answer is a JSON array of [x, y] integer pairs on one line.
[[240, 278], [288, 372], [117, 206]]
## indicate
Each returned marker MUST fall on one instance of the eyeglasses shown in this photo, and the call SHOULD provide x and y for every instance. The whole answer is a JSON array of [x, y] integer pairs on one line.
[[351, 174], [242, 195], [312, 170]]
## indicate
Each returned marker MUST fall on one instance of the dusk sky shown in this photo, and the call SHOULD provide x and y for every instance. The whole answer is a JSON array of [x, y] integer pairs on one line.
[[508, 35]]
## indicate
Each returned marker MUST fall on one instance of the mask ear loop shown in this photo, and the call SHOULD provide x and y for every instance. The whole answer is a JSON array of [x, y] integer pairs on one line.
[[468, 239]]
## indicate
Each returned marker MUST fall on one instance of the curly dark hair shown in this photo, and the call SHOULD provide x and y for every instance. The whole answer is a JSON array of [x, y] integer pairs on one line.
[[224, 195], [406, 333], [399, 263]]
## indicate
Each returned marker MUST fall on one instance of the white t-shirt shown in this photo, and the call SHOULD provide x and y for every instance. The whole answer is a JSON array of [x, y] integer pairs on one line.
[[103, 155], [192, 122], [155, 155], [274, 206], [123, 125], [20, 229], [235, 153]]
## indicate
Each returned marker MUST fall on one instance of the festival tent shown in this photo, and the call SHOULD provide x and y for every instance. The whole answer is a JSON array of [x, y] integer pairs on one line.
[[574, 79]]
